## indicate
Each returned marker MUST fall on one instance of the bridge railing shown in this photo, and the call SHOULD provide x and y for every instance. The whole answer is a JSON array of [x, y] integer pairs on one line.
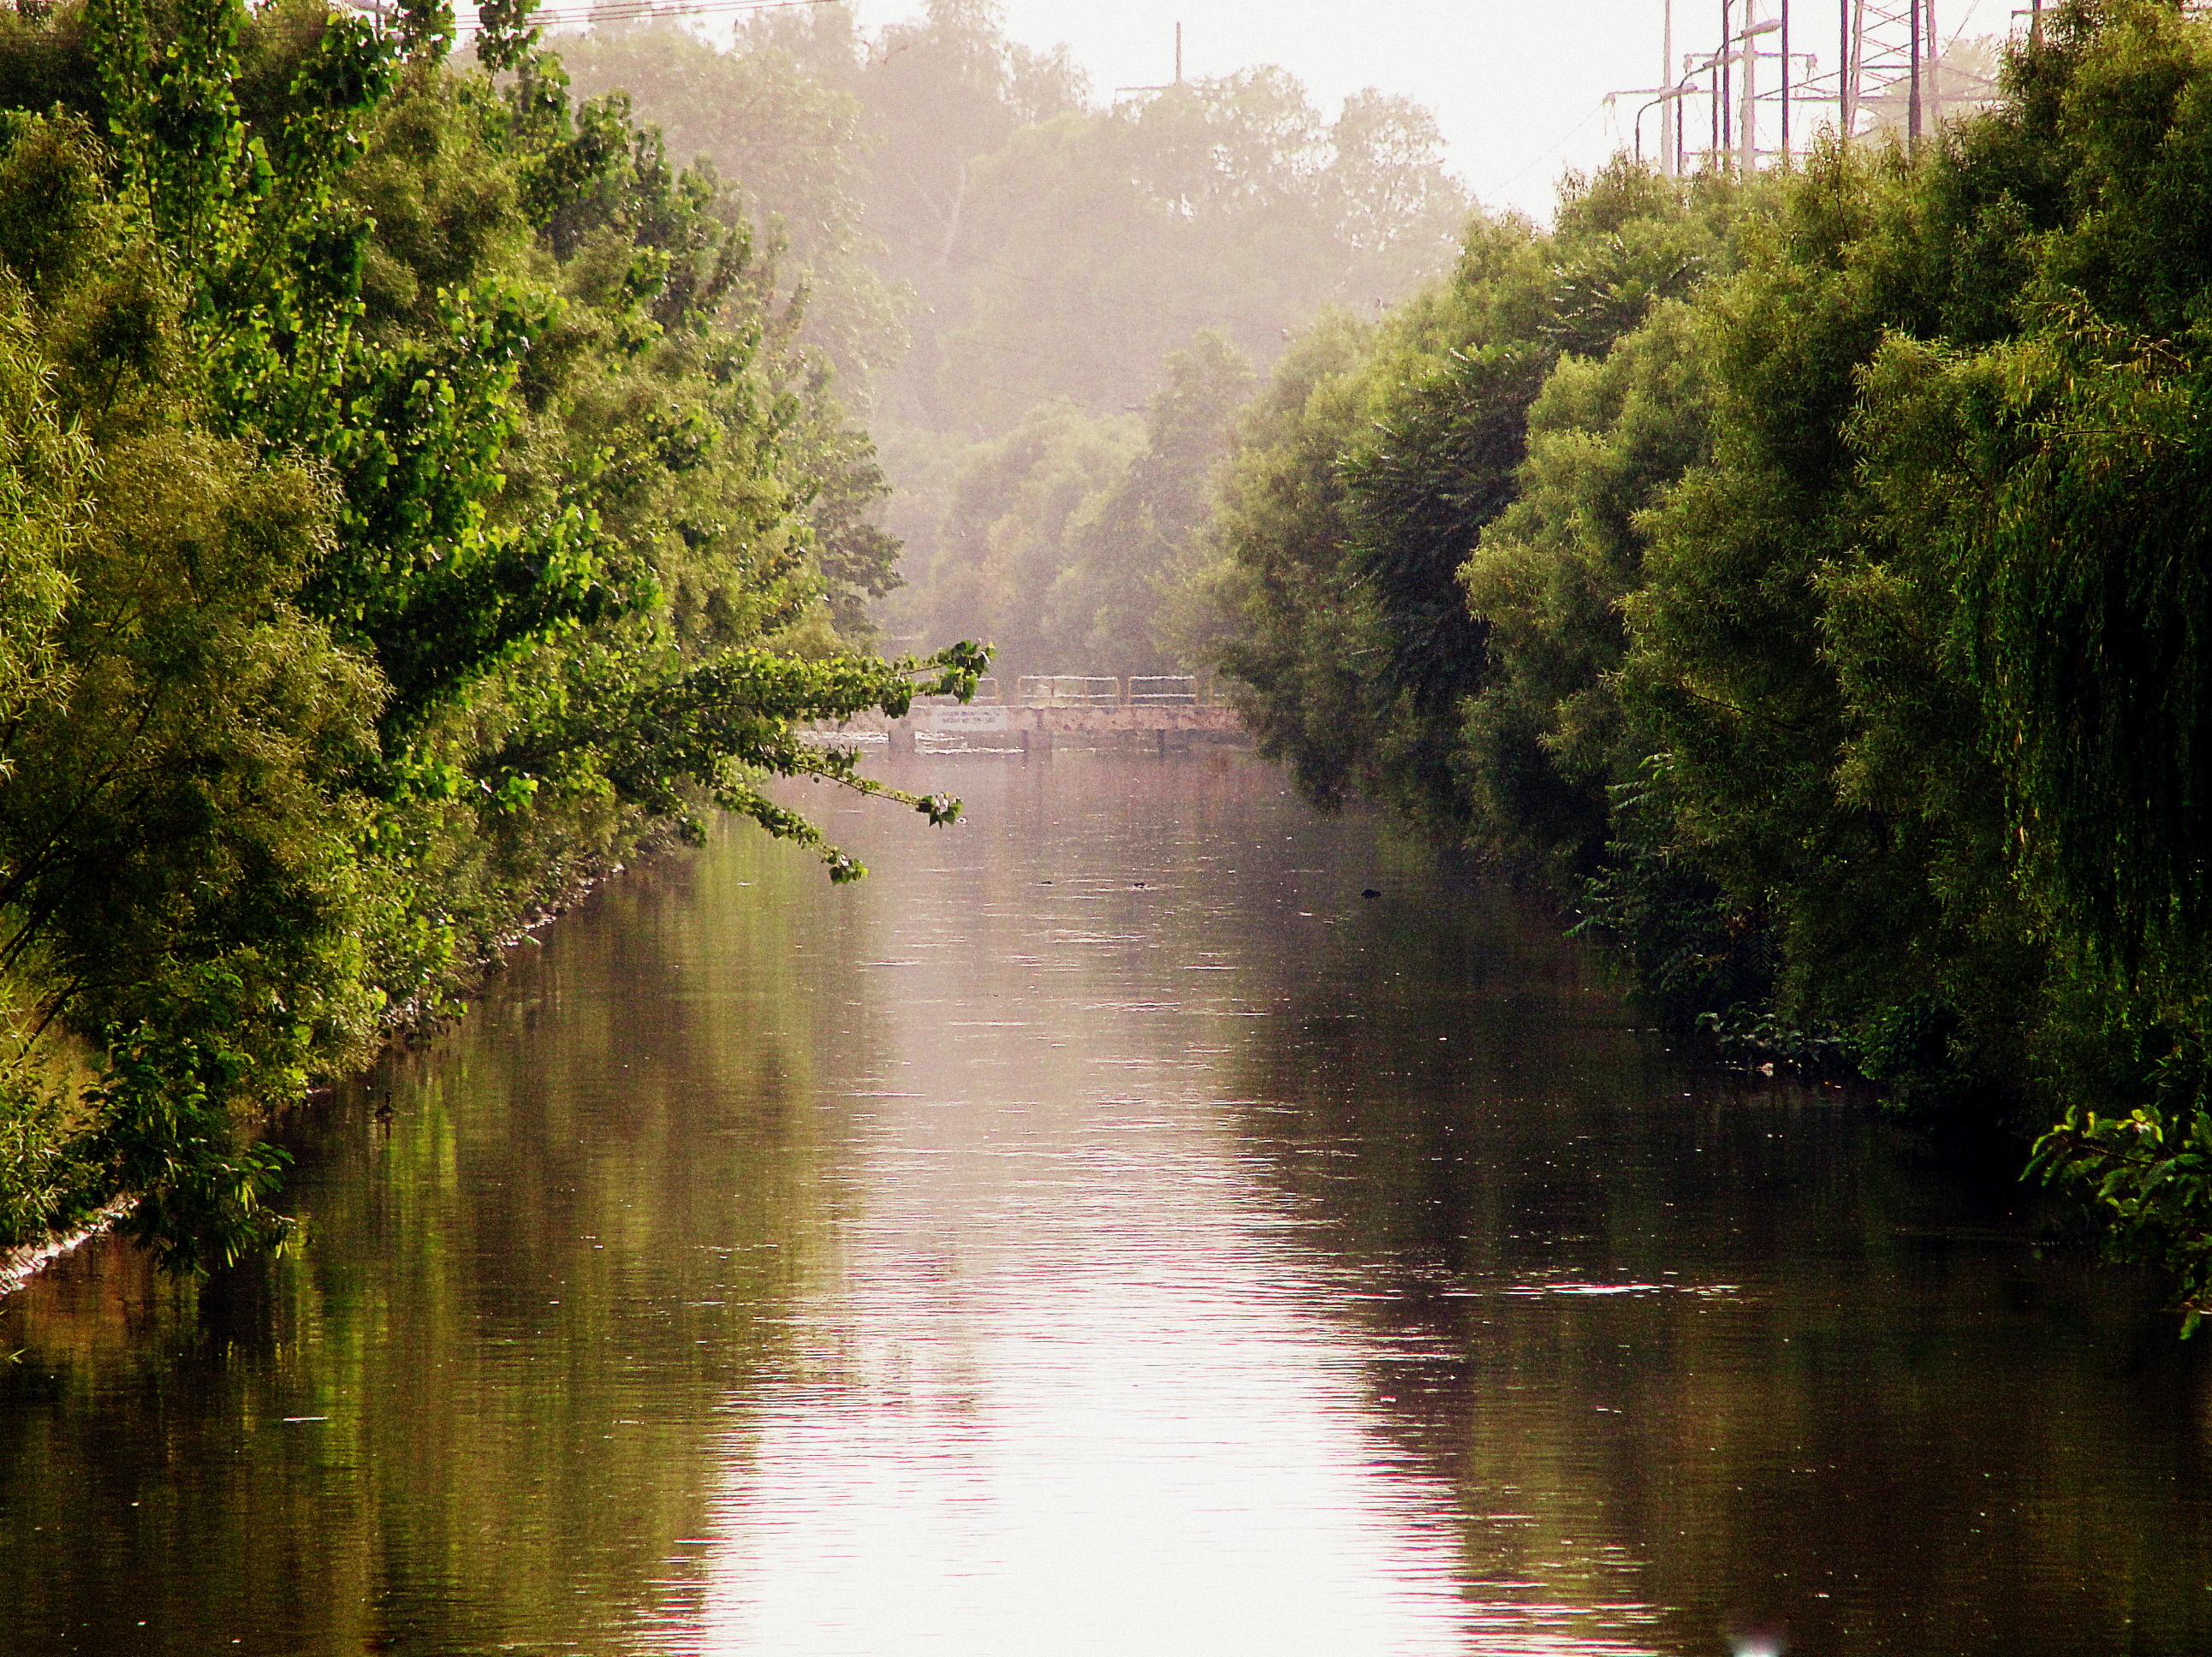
[[1085, 690], [1162, 690], [1067, 690]]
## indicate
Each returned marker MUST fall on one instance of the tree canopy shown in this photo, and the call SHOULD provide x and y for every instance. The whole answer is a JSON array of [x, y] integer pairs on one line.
[[1023, 260], [416, 496], [1803, 574]]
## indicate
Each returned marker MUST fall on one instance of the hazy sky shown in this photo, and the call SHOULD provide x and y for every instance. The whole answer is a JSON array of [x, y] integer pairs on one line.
[[1518, 88]]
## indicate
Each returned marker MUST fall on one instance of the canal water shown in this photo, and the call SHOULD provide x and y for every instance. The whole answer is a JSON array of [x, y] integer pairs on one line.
[[1145, 1218]]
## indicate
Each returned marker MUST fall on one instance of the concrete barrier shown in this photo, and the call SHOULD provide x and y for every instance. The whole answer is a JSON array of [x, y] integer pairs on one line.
[[1037, 730]]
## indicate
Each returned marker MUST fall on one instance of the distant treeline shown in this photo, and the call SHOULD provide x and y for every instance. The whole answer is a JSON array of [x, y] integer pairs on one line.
[[1810, 577], [414, 492], [1046, 300]]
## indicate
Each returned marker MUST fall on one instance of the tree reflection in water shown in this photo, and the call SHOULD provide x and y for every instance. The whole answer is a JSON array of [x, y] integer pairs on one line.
[[1187, 1255]]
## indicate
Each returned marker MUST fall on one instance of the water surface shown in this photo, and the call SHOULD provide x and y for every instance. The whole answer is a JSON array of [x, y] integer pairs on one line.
[[1104, 1230]]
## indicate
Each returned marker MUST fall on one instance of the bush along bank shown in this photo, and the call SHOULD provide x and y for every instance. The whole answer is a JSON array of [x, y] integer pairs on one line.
[[411, 494], [1807, 575]]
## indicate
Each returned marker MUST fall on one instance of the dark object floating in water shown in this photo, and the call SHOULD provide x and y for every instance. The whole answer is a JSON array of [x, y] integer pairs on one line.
[[1371, 892]]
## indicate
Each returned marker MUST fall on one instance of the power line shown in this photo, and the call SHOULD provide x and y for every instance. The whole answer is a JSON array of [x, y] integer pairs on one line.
[[622, 11], [1596, 110]]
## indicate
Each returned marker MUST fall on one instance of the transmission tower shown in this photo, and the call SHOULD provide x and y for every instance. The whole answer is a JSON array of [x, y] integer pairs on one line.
[[1759, 96], [1890, 50]]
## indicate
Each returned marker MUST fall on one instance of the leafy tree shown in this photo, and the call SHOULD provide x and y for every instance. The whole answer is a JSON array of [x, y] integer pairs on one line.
[[1548, 741], [1865, 636], [1431, 456], [1050, 252], [1013, 511], [418, 500], [1108, 605], [1293, 633], [939, 92], [2056, 468], [779, 115], [1092, 246], [1913, 661], [1064, 541]]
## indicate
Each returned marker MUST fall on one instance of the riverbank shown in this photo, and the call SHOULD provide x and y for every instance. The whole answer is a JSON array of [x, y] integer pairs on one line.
[[331, 640], [1806, 594], [414, 1023]]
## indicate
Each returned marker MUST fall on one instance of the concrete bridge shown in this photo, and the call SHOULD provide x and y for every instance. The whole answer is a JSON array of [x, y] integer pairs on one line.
[[1173, 710]]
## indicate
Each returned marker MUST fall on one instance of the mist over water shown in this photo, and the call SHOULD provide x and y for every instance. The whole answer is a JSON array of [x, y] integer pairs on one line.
[[1102, 1230]]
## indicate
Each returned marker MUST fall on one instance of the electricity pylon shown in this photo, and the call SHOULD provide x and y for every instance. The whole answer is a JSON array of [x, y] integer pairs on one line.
[[1889, 68], [1761, 96]]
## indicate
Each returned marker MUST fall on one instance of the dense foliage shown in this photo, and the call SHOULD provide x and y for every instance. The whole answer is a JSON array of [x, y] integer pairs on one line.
[[1063, 541], [1008, 274], [1366, 474], [1809, 579], [415, 494]]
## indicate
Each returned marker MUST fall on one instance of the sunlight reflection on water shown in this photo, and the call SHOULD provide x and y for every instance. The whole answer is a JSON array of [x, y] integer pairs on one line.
[[1075, 1378], [1035, 1432], [1052, 1435]]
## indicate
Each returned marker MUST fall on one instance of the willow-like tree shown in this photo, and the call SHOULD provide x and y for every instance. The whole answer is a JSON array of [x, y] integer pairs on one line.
[[417, 499]]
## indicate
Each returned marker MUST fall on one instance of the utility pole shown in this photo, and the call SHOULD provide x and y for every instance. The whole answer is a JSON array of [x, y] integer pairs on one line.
[[1717, 105], [1935, 69], [1889, 55], [1912, 111], [1679, 131], [1177, 82], [1785, 82], [1748, 121], [1745, 45], [1727, 99], [1847, 85], [1889, 68]]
